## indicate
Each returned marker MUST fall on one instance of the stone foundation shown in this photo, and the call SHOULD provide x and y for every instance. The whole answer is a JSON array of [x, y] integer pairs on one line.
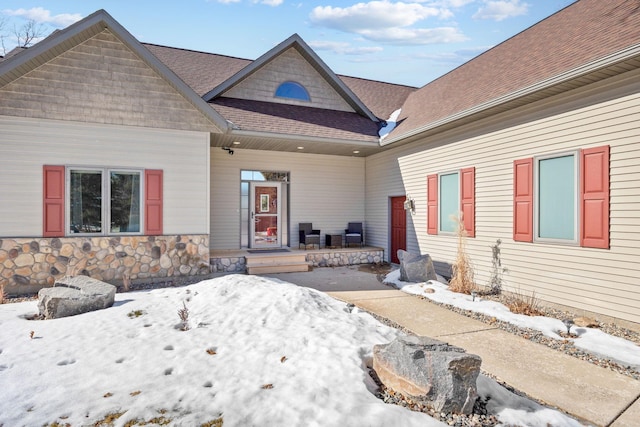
[[340, 257], [26, 265], [229, 264]]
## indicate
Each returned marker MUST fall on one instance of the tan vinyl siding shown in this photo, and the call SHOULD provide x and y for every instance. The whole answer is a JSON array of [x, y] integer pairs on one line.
[[100, 81], [289, 66], [325, 190], [603, 281], [28, 144]]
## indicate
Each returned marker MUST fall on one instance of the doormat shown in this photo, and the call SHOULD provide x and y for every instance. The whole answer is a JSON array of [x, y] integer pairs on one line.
[[266, 251]]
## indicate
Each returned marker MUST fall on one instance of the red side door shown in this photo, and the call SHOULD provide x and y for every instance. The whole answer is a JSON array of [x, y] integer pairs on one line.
[[398, 227]]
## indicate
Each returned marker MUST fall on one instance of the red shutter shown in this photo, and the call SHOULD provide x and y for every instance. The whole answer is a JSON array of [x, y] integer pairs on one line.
[[152, 202], [523, 200], [594, 197], [432, 204], [53, 201], [468, 200]]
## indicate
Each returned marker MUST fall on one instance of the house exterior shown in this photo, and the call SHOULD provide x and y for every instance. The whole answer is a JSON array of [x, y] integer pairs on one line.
[[122, 158]]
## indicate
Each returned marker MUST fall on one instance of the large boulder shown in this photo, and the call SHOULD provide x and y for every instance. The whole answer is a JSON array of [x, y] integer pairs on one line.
[[75, 295], [430, 372], [416, 268]]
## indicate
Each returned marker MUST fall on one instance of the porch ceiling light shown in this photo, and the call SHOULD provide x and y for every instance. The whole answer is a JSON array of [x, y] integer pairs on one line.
[[356, 151], [236, 142], [300, 148]]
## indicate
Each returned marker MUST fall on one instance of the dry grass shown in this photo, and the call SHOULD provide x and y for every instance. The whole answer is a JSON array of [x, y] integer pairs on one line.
[[213, 423], [126, 282], [519, 303], [183, 313], [462, 280], [3, 295]]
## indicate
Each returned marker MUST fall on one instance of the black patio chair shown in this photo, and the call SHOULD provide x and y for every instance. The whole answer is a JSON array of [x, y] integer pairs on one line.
[[308, 236], [354, 234]]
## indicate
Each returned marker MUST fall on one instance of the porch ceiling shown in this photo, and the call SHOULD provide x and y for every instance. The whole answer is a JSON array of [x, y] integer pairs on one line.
[[244, 140]]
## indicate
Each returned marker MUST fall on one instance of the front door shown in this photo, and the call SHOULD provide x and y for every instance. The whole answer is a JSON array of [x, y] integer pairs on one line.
[[265, 227], [398, 227]]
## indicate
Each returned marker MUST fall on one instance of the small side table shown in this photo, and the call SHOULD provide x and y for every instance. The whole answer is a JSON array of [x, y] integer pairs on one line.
[[333, 240]]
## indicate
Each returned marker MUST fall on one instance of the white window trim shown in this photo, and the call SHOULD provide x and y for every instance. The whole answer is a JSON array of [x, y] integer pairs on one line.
[[576, 194], [105, 216], [440, 219]]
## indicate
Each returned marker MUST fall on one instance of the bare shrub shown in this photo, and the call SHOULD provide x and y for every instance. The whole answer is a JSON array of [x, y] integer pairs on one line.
[[3, 295], [495, 281], [519, 303], [462, 280], [183, 313], [126, 282]]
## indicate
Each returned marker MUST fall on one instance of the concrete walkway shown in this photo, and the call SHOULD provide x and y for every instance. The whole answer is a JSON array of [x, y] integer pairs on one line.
[[588, 392]]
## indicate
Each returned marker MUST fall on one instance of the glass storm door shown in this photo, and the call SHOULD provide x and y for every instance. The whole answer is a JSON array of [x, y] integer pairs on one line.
[[265, 215]]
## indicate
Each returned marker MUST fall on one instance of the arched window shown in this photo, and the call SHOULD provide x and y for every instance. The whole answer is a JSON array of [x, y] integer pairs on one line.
[[293, 90]]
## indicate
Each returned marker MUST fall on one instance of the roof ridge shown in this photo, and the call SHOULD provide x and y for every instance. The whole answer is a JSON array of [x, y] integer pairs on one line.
[[196, 51]]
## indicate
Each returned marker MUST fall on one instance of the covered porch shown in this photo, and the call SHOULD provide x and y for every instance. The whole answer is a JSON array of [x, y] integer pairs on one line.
[[288, 260]]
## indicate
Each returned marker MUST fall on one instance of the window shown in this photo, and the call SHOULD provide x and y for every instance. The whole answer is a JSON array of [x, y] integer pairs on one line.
[[292, 90], [448, 194], [563, 198], [556, 216], [99, 196], [449, 202], [101, 201]]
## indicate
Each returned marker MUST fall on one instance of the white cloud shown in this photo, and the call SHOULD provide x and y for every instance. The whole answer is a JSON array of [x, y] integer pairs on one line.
[[343, 48], [43, 16], [228, 1], [374, 14], [269, 2], [415, 36], [454, 3], [384, 21], [499, 10]]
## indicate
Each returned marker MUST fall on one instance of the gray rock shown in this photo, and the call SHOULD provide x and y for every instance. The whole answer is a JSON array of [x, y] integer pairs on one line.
[[429, 371], [75, 295], [416, 268]]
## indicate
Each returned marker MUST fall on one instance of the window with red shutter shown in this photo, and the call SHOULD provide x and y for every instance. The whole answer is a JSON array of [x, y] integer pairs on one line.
[[153, 202], [594, 197], [523, 200], [53, 201], [468, 199], [432, 204]]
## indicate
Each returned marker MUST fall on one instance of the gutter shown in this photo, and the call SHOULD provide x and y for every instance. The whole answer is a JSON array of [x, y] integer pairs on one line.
[[589, 67]]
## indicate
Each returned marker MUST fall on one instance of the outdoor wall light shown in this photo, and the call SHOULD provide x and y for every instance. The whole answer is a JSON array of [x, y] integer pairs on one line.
[[410, 205], [228, 150]]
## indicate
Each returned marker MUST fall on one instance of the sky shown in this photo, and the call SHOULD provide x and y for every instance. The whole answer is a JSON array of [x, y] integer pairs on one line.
[[255, 352], [411, 42]]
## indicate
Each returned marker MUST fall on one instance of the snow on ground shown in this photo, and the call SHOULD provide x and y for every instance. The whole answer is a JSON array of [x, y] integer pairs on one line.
[[284, 356], [592, 340]]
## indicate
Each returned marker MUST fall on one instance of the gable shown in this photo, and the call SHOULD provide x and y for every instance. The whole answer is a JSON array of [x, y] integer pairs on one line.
[[101, 80], [289, 65]]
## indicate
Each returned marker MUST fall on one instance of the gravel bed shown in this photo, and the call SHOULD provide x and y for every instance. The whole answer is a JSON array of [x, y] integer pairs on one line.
[[566, 346]]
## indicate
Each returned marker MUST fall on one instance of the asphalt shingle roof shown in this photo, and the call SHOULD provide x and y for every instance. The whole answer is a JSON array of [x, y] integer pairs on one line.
[[296, 120], [580, 33]]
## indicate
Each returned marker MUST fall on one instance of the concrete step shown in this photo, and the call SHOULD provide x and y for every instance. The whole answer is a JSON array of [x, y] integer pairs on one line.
[[278, 268], [276, 263]]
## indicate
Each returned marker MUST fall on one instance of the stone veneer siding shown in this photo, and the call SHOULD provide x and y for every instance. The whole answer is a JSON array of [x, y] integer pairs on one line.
[[330, 258], [26, 265], [339, 258]]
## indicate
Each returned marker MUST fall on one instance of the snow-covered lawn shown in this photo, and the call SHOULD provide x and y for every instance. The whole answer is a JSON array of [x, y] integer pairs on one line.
[[592, 340], [258, 351]]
